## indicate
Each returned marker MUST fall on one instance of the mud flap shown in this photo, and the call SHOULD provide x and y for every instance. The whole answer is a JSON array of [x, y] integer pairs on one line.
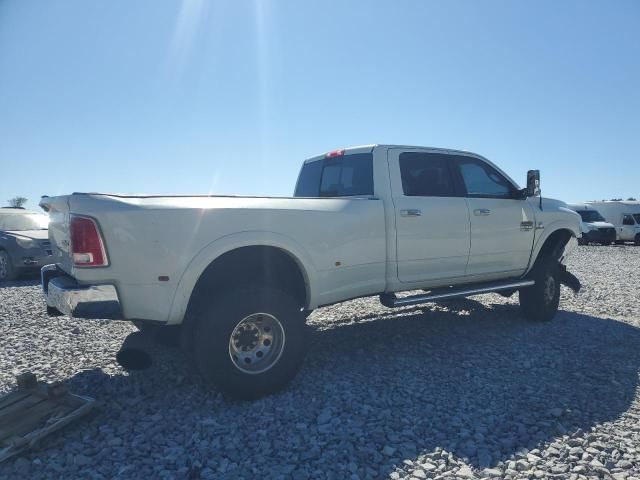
[[569, 279]]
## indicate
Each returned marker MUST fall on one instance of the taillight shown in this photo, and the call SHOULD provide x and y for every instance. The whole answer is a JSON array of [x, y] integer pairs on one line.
[[87, 246]]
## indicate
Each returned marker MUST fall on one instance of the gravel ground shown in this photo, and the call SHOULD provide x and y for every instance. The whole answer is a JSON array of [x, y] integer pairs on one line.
[[461, 390]]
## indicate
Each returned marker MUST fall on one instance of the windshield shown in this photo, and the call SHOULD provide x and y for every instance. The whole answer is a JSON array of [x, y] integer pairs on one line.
[[23, 221], [591, 216]]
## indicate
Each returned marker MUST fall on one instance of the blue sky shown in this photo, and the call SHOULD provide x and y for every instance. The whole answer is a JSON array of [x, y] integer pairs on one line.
[[230, 96]]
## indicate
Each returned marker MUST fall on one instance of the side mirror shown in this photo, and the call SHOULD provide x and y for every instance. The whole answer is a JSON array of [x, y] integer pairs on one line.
[[533, 183]]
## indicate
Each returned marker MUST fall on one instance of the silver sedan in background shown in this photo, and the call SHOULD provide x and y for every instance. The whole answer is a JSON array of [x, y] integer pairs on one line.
[[24, 242]]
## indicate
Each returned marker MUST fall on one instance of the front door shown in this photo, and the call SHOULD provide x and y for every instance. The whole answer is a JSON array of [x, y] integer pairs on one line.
[[627, 231], [432, 219], [502, 223]]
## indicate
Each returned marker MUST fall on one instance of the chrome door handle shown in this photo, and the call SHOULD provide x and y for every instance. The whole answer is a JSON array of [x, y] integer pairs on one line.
[[481, 212], [412, 212]]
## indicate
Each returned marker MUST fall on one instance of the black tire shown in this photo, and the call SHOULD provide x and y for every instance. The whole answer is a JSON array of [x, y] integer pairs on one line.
[[7, 272], [539, 303], [168, 335], [53, 312], [241, 313], [636, 241], [582, 241]]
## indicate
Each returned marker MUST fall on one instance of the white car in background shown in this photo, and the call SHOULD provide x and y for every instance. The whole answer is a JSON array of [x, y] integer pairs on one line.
[[594, 227], [625, 217]]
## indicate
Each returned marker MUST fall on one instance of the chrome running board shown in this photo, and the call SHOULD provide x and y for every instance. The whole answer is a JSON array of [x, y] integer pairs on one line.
[[391, 300]]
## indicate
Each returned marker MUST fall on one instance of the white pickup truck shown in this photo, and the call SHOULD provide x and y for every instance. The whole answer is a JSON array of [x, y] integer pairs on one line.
[[241, 274]]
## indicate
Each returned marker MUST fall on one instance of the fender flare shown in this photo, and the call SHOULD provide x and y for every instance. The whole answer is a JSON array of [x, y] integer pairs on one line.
[[549, 230], [225, 244]]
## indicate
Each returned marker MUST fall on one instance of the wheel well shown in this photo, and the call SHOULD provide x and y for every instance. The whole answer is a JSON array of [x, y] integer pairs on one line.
[[251, 266], [554, 245]]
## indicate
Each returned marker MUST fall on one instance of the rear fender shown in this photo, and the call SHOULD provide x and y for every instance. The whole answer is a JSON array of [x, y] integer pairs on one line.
[[231, 242]]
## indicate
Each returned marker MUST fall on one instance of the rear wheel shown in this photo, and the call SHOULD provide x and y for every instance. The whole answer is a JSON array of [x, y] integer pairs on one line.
[[7, 272], [251, 342], [540, 302], [163, 334]]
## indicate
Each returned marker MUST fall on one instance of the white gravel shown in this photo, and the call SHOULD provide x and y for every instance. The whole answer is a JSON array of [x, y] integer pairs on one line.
[[461, 390]]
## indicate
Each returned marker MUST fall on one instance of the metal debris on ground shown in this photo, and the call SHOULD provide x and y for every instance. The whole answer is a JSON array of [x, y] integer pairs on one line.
[[35, 410]]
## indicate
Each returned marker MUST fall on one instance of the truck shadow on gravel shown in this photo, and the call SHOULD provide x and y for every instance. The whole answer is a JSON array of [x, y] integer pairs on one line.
[[476, 381]]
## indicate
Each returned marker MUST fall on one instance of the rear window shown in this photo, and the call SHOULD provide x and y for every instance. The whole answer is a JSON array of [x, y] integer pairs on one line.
[[343, 176]]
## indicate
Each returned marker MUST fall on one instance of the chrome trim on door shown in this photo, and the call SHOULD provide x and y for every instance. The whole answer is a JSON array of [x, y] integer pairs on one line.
[[481, 212], [413, 212]]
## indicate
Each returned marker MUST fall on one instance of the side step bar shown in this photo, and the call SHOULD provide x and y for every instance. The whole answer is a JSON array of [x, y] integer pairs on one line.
[[390, 300]]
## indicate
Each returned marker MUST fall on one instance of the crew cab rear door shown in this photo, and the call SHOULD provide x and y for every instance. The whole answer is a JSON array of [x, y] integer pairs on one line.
[[502, 222], [431, 217]]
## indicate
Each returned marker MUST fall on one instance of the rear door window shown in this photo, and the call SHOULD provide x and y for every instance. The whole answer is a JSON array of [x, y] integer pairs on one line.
[[426, 174], [342, 176]]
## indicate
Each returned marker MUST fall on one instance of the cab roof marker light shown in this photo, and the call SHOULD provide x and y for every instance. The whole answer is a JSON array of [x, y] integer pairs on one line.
[[335, 153]]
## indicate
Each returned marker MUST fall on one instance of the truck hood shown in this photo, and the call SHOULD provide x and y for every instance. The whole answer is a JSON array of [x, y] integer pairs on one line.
[[32, 234], [556, 211], [551, 203], [600, 224]]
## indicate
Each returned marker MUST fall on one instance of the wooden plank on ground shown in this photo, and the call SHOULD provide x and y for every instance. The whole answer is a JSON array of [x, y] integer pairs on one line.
[[13, 410], [28, 415], [11, 398]]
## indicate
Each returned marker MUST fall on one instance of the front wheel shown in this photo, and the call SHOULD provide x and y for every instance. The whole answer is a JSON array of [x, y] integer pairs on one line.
[[540, 302], [251, 342], [7, 272], [636, 240]]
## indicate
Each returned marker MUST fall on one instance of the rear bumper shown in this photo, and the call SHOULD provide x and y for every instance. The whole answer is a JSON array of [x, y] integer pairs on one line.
[[63, 293]]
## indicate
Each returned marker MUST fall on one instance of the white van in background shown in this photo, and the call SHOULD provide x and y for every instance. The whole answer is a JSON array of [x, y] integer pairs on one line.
[[625, 217], [594, 227]]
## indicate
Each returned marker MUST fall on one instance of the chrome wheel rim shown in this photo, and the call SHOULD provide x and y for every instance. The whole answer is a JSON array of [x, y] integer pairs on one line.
[[3, 266], [549, 289], [256, 343]]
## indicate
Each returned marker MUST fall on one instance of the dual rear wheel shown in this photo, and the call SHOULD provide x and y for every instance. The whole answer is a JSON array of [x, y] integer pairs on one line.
[[250, 343]]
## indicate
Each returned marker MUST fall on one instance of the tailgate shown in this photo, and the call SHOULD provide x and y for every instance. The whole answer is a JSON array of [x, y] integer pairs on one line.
[[58, 209]]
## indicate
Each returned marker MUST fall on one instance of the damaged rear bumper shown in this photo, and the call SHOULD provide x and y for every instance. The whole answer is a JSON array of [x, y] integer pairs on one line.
[[63, 293]]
